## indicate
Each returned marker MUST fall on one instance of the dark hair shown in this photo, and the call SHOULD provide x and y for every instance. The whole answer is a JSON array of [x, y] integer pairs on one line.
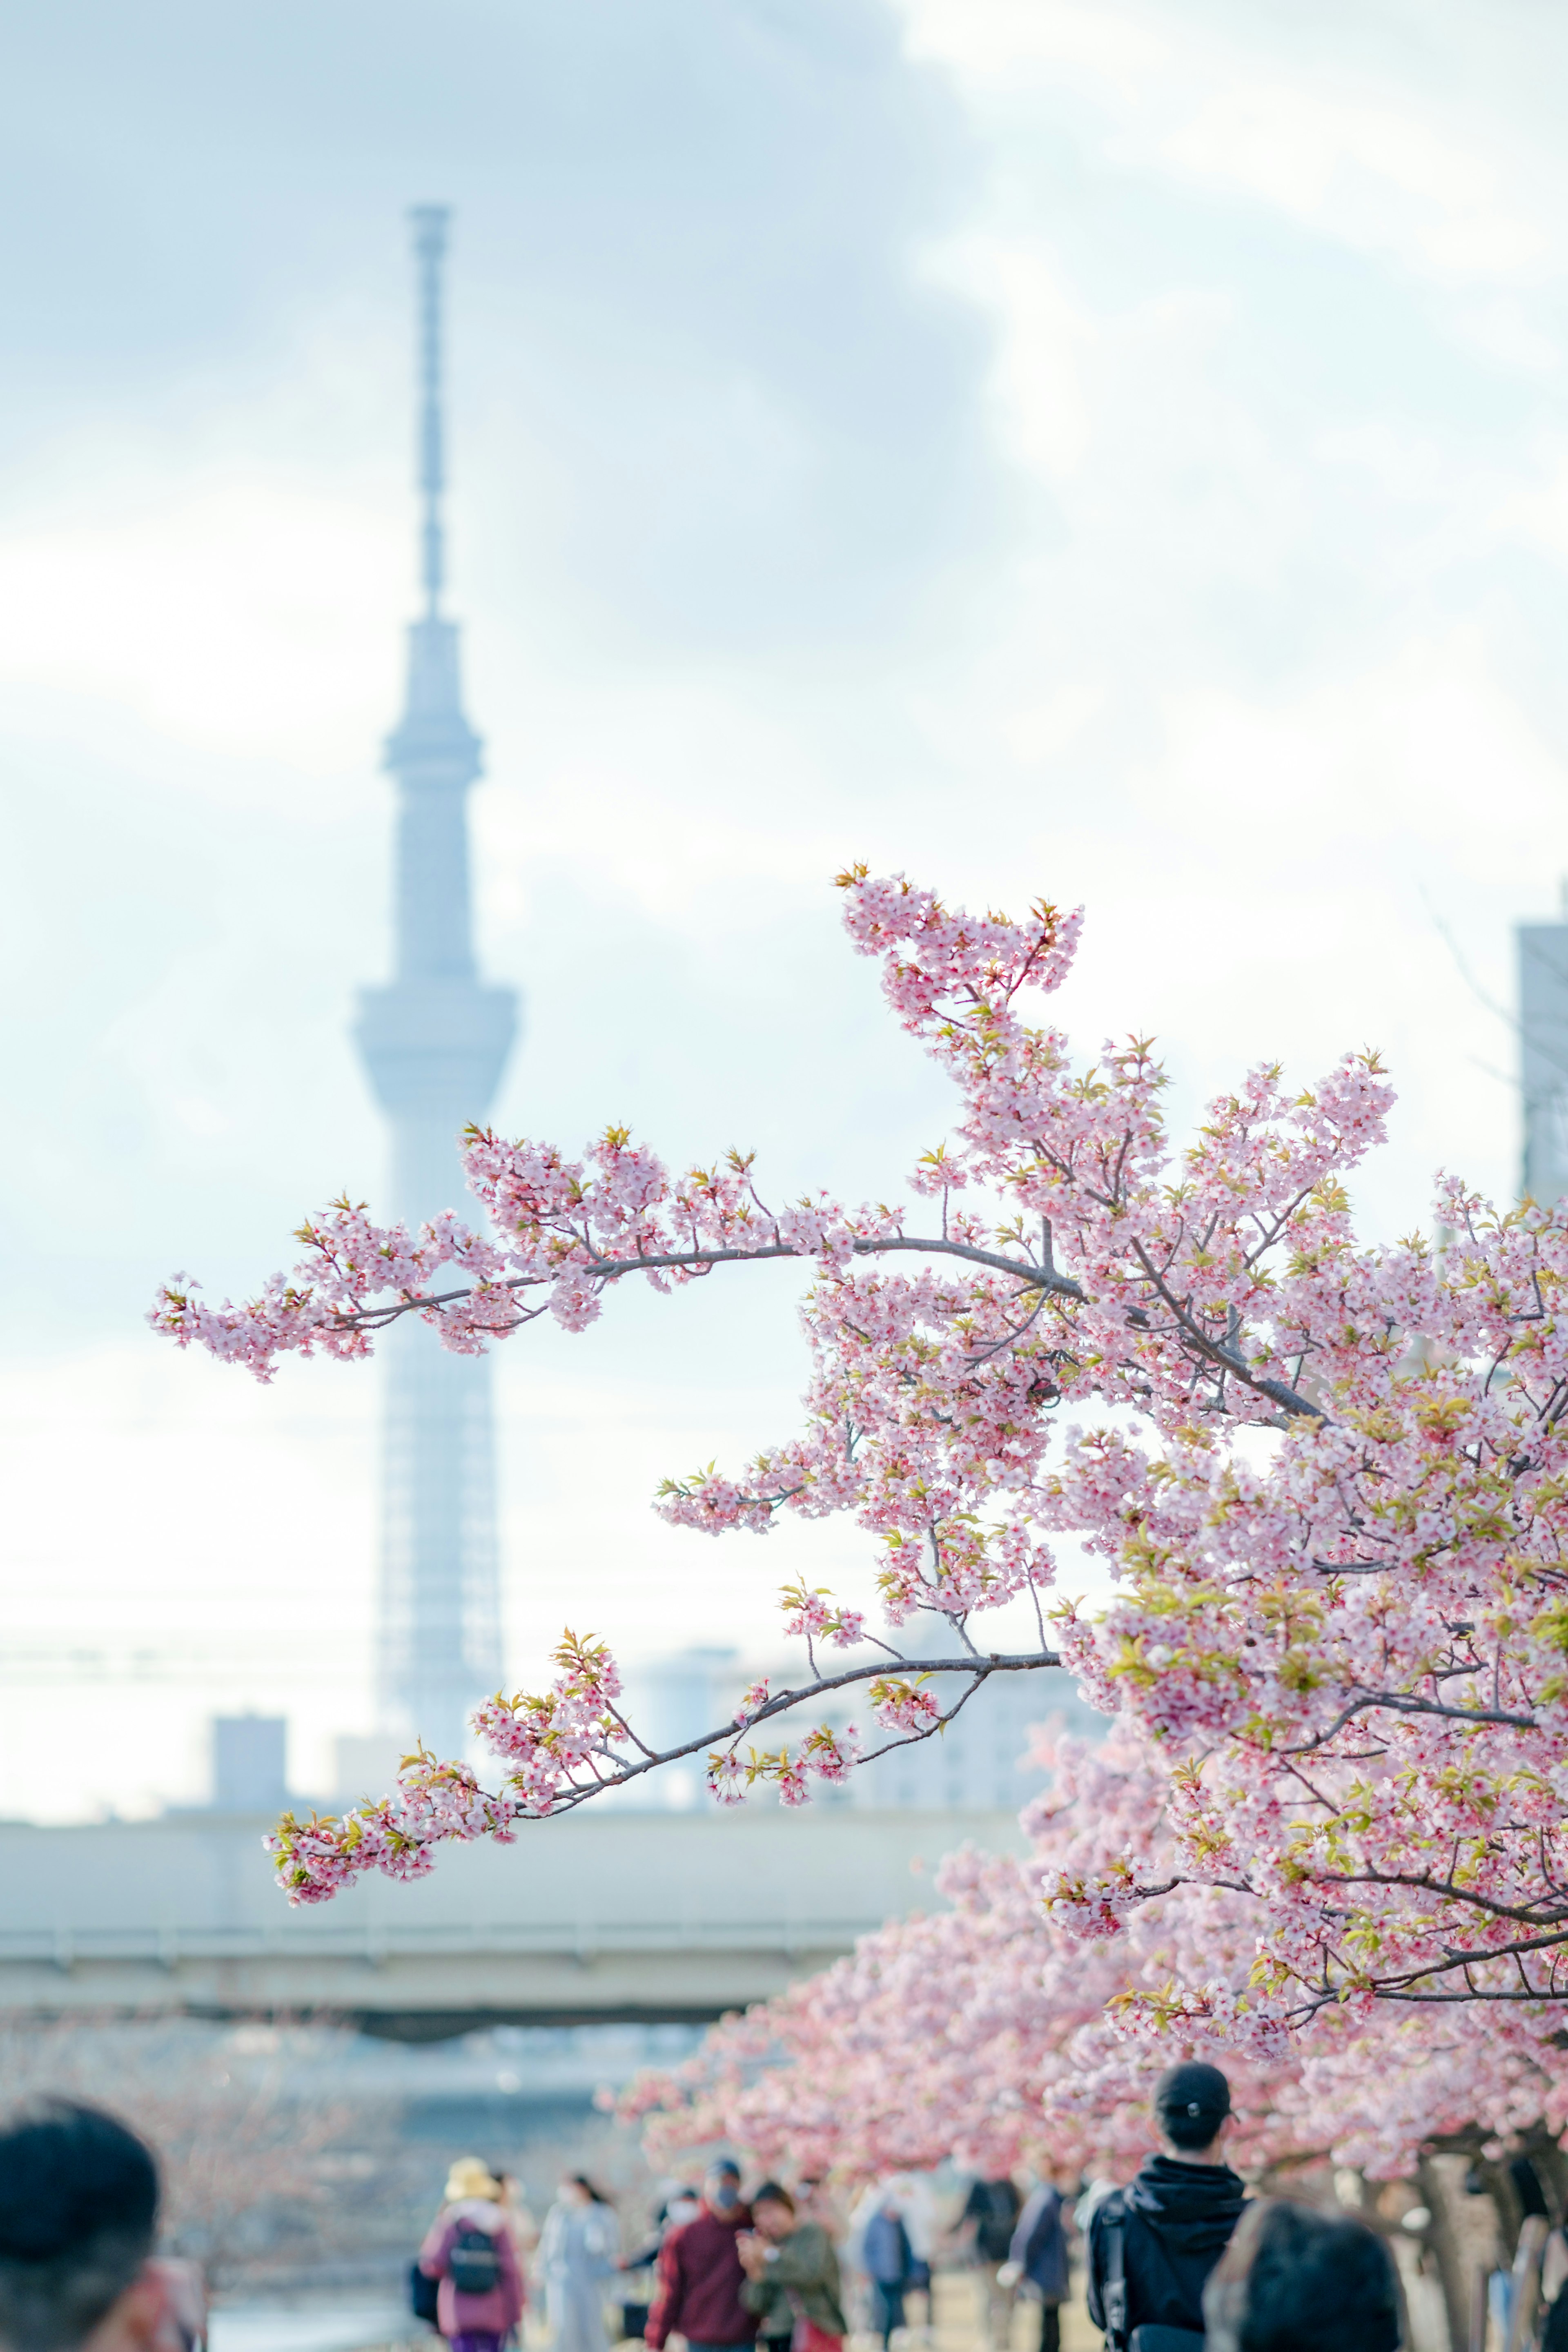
[[1292, 2279], [772, 2192], [1192, 2101], [79, 2210], [583, 2181], [726, 2164]]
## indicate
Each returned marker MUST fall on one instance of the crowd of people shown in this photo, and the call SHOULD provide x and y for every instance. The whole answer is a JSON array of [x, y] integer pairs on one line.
[[1176, 2260]]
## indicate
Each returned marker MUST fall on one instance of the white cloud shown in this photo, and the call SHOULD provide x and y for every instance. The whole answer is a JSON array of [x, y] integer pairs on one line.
[[234, 616], [1346, 141]]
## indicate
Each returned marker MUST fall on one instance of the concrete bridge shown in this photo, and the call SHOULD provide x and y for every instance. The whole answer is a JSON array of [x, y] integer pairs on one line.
[[603, 1916]]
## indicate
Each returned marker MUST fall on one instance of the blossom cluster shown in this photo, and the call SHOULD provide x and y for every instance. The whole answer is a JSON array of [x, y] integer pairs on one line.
[[557, 1749], [1330, 1479], [556, 1746], [827, 1754], [813, 1616]]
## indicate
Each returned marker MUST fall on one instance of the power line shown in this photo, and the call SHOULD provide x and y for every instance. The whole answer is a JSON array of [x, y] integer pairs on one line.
[[63, 1662]]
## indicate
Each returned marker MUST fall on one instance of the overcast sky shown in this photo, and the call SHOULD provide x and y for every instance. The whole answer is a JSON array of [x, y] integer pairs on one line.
[[1115, 451]]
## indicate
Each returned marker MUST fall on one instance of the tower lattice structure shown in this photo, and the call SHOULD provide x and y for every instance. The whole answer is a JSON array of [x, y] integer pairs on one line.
[[435, 1041]]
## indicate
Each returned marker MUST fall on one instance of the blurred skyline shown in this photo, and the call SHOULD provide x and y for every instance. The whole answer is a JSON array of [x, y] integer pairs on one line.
[[1113, 451]]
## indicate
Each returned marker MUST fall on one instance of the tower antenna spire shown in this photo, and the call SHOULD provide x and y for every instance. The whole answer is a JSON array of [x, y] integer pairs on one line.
[[429, 224], [435, 1040]]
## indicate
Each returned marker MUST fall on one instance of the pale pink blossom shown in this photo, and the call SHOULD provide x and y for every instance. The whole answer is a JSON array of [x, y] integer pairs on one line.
[[1329, 1477]]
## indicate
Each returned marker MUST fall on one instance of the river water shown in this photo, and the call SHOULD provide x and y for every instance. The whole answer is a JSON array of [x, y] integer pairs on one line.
[[313, 2326]]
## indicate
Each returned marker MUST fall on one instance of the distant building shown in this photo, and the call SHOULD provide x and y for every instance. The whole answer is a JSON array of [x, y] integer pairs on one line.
[[1543, 1054], [365, 1765], [249, 1763], [434, 1041], [983, 1757], [682, 1696]]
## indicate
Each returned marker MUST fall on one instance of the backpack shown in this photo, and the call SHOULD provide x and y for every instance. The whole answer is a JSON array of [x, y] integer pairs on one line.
[[473, 2264], [1152, 2336]]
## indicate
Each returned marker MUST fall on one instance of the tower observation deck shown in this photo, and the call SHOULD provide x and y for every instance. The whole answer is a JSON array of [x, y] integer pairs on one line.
[[433, 1042]]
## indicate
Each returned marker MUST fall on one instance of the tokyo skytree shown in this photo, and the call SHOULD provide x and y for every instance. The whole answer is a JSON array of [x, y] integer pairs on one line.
[[435, 1041]]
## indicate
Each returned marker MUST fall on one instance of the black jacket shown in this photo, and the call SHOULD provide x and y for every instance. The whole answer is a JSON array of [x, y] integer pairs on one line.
[[1178, 2220]]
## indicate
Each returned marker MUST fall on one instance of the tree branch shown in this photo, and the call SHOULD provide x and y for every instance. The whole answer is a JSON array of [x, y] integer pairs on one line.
[[1399, 1705], [1029, 1275], [978, 1667]]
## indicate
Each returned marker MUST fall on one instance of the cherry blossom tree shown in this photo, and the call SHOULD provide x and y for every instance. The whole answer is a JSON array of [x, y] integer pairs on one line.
[[1330, 1476], [988, 2032]]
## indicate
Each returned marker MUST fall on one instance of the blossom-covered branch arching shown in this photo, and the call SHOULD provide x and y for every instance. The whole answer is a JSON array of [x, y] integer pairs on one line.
[[1330, 1478]]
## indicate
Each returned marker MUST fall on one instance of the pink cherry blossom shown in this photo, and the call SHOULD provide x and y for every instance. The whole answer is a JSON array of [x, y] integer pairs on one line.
[[1330, 1479], [983, 2030]]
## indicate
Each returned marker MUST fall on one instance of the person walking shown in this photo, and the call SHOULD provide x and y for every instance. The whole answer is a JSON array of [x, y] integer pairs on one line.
[[682, 2205], [792, 2276], [469, 2250], [1037, 2259], [990, 2217], [888, 2259], [1153, 2244], [576, 2255], [699, 2294]]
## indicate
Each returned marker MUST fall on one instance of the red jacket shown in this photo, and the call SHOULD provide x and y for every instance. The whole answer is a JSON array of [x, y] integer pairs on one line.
[[699, 2283]]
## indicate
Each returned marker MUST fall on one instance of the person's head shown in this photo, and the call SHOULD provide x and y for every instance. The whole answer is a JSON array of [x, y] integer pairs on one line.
[[576, 2188], [721, 2185], [1292, 2279], [1192, 2107], [471, 2182], [78, 2211], [773, 2211]]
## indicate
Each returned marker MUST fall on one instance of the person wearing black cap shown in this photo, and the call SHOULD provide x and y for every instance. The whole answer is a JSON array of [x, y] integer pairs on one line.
[[1153, 2244], [78, 2213]]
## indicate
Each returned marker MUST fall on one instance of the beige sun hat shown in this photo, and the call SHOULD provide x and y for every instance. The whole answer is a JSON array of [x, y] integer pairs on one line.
[[471, 2178]]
